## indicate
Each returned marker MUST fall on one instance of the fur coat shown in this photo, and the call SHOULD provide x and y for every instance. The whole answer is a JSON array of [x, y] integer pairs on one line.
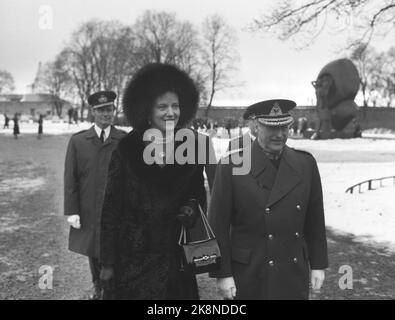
[[140, 232]]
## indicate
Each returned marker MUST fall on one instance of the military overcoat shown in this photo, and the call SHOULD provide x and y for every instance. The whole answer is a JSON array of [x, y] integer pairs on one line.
[[270, 224]]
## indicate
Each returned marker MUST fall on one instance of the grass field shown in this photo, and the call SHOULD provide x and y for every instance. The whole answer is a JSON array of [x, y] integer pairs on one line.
[[33, 231]]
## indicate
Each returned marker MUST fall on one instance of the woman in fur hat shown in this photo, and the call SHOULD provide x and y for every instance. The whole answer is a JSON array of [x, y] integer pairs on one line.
[[145, 204]]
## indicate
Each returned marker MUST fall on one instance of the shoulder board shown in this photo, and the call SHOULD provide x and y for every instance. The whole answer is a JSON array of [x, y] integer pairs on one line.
[[79, 132], [303, 151], [203, 133], [229, 153]]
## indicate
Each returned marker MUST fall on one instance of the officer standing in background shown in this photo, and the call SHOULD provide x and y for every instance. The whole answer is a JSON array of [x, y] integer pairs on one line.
[[270, 222], [87, 159]]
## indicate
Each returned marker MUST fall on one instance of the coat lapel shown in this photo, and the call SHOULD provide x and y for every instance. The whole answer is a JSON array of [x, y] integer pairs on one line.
[[114, 135], [288, 177], [91, 135], [261, 170]]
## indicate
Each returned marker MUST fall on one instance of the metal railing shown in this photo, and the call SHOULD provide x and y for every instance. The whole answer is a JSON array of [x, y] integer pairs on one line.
[[369, 183]]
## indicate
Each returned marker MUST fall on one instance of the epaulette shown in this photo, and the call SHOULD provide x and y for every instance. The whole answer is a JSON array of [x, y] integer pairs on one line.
[[303, 151], [203, 133], [79, 132], [230, 152]]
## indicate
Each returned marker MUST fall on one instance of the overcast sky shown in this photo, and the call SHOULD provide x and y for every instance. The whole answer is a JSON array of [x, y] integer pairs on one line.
[[269, 68]]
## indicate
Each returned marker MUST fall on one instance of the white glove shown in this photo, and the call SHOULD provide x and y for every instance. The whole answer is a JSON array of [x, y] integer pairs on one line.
[[74, 221], [226, 288], [317, 279]]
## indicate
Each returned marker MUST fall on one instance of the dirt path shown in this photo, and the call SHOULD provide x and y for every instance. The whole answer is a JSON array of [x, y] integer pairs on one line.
[[33, 233]]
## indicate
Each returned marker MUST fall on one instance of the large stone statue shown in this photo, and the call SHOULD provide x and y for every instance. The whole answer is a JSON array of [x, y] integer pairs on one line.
[[336, 86]]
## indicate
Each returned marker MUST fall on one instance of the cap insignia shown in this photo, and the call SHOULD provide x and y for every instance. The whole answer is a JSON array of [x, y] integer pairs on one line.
[[276, 110], [102, 99]]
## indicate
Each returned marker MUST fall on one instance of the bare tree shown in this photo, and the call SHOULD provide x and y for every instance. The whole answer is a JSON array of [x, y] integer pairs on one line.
[[100, 55], [162, 38], [365, 58], [309, 17], [220, 56], [388, 76], [53, 78], [7, 84]]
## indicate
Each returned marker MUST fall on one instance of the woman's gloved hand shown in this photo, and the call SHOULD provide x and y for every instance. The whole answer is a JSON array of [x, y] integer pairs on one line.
[[189, 213]]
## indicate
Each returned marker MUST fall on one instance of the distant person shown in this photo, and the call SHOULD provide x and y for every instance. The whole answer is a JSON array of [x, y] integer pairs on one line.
[[16, 125], [228, 127], [75, 116], [357, 129], [238, 142], [6, 121], [70, 114], [40, 126], [302, 126], [85, 177]]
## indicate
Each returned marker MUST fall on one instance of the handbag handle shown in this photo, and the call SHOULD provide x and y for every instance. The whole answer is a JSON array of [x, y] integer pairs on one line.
[[209, 232]]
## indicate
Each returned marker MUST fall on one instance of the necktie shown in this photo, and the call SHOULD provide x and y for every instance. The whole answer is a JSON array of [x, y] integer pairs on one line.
[[102, 136]]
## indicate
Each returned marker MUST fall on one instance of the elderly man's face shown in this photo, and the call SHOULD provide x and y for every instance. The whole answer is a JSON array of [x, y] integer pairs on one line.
[[270, 138]]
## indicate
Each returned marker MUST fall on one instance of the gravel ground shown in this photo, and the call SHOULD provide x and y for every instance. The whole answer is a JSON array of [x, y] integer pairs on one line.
[[33, 233]]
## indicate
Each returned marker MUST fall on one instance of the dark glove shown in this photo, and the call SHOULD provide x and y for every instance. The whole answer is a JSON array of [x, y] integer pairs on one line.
[[189, 213], [106, 273]]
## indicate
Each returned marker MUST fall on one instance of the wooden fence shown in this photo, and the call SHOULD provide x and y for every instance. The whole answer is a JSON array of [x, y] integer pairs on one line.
[[369, 183]]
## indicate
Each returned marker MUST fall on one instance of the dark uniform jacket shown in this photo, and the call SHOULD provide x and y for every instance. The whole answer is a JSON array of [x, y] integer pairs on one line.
[[85, 176], [270, 225]]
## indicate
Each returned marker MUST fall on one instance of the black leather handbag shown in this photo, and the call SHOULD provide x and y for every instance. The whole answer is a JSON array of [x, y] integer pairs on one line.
[[200, 256]]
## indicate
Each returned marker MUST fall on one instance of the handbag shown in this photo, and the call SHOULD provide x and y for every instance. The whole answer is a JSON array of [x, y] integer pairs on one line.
[[200, 256]]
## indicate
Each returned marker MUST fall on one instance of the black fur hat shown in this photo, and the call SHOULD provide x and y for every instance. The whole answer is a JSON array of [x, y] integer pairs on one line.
[[150, 82]]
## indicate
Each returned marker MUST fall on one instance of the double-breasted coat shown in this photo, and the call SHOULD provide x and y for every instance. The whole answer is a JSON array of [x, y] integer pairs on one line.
[[140, 230], [270, 225], [85, 177]]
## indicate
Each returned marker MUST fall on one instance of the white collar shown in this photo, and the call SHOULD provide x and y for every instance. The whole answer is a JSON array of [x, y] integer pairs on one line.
[[106, 131]]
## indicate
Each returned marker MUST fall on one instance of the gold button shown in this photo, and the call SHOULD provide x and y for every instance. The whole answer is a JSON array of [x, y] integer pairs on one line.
[[271, 263], [270, 237], [295, 260], [298, 207], [267, 210]]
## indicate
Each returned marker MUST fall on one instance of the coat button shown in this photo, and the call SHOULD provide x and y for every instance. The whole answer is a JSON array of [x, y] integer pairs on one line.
[[267, 210], [297, 235], [271, 263], [270, 236], [298, 207], [295, 260]]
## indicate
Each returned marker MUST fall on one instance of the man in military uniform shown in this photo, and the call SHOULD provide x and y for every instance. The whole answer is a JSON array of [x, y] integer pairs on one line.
[[87, 159], [270, 222]]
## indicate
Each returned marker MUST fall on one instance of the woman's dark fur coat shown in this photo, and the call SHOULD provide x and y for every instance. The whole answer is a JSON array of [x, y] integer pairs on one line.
[[140, 231]]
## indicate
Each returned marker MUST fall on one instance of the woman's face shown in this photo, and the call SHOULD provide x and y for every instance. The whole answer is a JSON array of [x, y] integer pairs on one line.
[[165, 112]]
